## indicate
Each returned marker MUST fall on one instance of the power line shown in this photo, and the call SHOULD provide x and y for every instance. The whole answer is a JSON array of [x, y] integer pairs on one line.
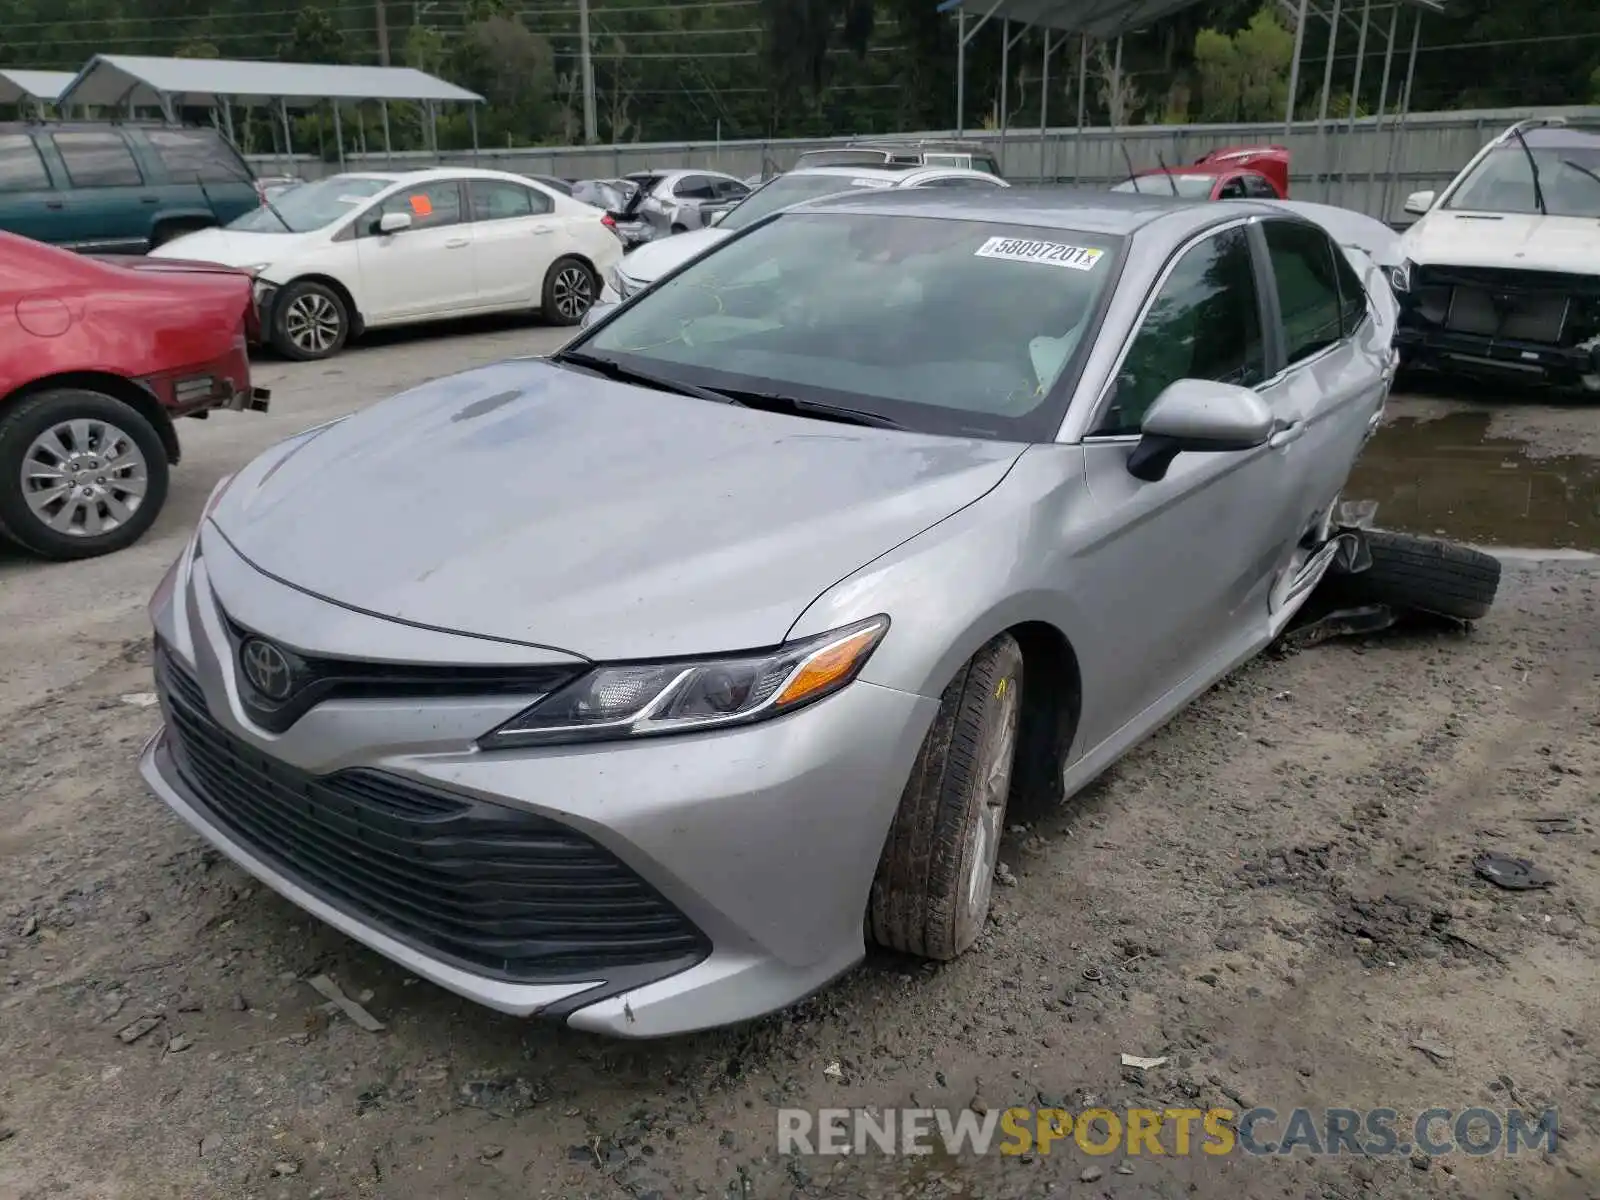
[[74, 23]]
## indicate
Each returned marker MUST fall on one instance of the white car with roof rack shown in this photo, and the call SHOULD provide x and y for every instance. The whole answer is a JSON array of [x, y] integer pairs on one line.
[[656, 259], [377, 248]]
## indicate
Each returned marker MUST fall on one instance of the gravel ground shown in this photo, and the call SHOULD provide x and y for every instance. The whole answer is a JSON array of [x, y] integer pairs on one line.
[[1275, 893]]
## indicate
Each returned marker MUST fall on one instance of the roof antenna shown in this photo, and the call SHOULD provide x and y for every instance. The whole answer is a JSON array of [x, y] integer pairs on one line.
[[1538, 189], [1171, 182], [1123, 146]]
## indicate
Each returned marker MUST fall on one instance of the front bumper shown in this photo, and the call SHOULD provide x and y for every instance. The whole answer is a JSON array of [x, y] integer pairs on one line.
[[1473, 354], [763, 839]]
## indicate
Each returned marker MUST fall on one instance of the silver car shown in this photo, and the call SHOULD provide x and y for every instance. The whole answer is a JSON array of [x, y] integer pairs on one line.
[[677, 201], [638, 686]]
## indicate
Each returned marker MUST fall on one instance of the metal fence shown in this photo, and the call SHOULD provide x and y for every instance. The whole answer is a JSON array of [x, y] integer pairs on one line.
[[1365, 164]]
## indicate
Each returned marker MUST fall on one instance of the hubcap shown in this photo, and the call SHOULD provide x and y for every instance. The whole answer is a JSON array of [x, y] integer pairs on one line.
[[573, 292], [984, 836], [312, 323], [84, 478]]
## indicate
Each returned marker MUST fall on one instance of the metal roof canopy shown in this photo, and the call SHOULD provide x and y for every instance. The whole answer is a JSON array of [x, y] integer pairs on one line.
[[1105, 20], [123, 79], [130, 81], [42, 87]]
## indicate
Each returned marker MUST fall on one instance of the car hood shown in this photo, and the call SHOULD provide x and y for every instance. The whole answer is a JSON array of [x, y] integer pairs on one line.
[[654, 259], [231, 247], [1518, 241], [537, 504]]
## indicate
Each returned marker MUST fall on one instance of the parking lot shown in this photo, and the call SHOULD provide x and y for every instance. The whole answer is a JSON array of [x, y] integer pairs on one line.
[[1275, 895]]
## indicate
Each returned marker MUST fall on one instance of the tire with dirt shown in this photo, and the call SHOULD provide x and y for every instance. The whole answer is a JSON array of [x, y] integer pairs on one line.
[[81, 474], [569, 292], [1423, 574], [930, 896], [310, 321]]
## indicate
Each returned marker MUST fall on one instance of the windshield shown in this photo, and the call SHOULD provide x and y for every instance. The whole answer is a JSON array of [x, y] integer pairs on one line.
[[1194, 187], [311, 206], [945, 326], [1569, 176], [786, 190]]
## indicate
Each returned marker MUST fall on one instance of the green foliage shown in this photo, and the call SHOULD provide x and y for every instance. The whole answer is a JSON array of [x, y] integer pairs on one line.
[[1244, 76], [314, 38]]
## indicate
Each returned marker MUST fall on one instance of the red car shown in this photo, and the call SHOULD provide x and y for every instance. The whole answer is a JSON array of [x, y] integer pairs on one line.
[[1237, 173], [97, 359]]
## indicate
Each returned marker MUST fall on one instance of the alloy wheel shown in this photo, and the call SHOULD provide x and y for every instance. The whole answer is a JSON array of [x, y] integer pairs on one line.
[[573, 292], [312, 323], [84, 477]]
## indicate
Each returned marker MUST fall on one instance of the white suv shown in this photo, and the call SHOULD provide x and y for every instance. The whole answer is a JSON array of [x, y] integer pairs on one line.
[[1500, 276]]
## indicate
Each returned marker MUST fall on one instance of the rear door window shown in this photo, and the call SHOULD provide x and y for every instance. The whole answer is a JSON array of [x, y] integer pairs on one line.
[[693, 187], [1308, 287], [496, 200], [191, 155], [21, 168], [97, 159]]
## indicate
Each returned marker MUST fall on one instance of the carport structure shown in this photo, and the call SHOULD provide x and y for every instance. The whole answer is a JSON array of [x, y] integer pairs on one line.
[[1109, 20], [40, 89], [128, 81]]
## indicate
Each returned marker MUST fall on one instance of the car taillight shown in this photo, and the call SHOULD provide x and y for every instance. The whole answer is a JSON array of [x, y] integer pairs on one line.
[[608, 221]]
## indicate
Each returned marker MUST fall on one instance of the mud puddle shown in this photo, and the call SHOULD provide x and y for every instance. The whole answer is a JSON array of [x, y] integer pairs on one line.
[[1448, 477]]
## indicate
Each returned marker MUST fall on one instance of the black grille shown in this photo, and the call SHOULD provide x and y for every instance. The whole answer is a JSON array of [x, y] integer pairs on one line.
[[315, 679], [492, 889]]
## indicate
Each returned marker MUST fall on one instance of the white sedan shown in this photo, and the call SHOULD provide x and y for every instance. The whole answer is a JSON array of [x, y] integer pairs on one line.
[[371, 249]]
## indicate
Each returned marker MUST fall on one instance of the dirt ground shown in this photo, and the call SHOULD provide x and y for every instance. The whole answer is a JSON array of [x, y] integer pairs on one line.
[[1275, 893]]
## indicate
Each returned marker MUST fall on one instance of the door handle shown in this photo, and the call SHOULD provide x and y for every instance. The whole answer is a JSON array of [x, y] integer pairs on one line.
[[1292, 432], [149, 199], [543, 229], [57, 204], [457, 243]]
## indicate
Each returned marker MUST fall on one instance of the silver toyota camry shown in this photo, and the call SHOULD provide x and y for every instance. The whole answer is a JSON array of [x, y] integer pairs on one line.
[[640, 686]]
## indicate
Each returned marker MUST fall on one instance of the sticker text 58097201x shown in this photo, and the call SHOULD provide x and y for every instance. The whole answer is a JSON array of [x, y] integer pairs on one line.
[[1055, 254]]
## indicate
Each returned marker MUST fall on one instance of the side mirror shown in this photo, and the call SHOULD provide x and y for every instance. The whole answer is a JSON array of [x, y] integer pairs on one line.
[[394, 222], [1198, 415], [595, 313], [1419, 202]]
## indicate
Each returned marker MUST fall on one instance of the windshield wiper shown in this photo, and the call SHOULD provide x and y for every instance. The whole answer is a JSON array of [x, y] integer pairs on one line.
[[771, 402], [1538, 190], [1579, 167], [743, 398], [612, 369]]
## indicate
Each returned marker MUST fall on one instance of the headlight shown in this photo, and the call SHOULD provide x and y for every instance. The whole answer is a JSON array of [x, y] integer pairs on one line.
[[624, 285], [649, 699], [1400, 277], [255, 268]]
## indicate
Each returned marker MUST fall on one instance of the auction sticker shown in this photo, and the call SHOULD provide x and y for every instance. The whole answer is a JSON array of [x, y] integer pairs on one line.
[[1056, 254]]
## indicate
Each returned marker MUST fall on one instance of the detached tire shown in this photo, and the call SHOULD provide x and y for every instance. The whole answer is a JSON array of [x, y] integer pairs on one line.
[[1425, 575], [569, 292], [930, 896], [310, 321], [81, 474]]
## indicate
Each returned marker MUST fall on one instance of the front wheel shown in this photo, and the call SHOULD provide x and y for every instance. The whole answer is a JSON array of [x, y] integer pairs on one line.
[[81, 474], [930, 896], [569, 292], [1422, 574], [310, 321]]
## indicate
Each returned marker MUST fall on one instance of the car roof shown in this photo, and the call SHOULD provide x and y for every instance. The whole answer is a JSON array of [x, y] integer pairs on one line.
[[1115, 213], [431, 174], [899, 174]]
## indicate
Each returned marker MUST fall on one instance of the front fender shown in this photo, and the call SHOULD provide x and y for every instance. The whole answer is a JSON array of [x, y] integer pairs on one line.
[[956, 585]]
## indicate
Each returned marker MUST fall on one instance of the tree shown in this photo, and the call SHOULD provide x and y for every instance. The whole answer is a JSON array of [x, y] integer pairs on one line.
[[1119, 94], [1245, 76], [800, 35], [512, 68], [196, 48], [314, 38]]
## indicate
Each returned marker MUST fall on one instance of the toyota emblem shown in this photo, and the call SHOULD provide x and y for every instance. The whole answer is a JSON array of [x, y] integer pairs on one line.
[[267, 669]]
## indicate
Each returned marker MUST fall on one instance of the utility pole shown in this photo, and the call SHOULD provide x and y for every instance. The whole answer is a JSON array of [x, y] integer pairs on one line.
[[591, 133], [383, 34]]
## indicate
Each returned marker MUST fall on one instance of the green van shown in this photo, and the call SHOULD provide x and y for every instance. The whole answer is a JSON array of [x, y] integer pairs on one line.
[[118, 188]]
